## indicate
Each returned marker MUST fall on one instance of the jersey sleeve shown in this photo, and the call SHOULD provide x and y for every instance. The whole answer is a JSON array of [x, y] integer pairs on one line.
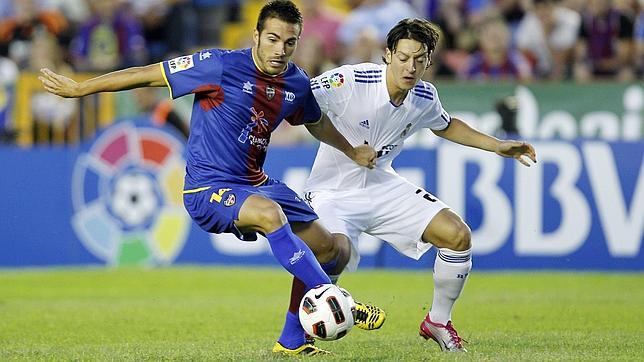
[[307, 112], [436, 117], [189, 73], [332, 89]]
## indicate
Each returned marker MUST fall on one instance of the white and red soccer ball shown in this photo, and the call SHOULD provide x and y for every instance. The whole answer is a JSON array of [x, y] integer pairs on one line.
[[327, 312]]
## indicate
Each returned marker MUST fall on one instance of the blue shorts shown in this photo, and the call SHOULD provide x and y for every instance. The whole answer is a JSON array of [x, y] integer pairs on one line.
[[216, 207]]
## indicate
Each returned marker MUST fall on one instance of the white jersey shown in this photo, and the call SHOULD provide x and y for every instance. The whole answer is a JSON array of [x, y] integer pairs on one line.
[[356, 99]]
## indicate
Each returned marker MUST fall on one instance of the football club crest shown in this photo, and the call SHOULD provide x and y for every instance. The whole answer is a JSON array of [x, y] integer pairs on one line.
[[230, 200], [270, 92]]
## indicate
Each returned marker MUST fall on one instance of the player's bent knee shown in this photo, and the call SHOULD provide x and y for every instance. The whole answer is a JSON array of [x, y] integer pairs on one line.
[[452, 234], [265, 214], [463, 240]]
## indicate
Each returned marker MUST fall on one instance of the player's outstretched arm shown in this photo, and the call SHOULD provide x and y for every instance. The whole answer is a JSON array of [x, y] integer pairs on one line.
[[460, 132], [135, 77], [325, 131]]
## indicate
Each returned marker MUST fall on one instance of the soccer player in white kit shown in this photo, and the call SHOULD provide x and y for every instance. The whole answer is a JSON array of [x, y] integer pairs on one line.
[[383, 105]]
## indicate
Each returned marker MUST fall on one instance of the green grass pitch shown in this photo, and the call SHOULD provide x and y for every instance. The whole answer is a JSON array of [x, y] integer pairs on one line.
[[208, 313]]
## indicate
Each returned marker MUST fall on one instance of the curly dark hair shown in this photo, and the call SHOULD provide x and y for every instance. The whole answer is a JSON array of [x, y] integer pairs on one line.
[[420, 30], [284, 10]]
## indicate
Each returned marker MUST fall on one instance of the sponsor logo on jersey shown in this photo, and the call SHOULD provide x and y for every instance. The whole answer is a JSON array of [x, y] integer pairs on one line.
[[364, 123], [406, 130], [385, 150], [270, 92], [255, 129], [289, 96], [247, 87], [180, 64], [337, 80]]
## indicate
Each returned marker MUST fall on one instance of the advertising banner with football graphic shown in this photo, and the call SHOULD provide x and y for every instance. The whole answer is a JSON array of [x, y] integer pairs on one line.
[[116, 200]]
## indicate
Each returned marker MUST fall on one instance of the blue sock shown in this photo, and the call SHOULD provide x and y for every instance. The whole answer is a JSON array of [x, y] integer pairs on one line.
[[328, 267], [292, 334], [296, 257]]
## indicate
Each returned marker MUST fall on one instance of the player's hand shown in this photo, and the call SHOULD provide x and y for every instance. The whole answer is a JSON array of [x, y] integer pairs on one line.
[[517, 150], [364, 155], [59, 84]]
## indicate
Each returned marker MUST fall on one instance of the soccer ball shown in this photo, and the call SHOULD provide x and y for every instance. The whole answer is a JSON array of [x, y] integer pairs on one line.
[[327, 312]]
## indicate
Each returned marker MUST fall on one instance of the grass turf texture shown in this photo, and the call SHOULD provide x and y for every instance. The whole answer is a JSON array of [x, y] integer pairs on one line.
[[199, 313]]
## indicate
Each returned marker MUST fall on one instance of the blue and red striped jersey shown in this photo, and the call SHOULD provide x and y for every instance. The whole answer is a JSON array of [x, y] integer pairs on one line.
[[236, 107]]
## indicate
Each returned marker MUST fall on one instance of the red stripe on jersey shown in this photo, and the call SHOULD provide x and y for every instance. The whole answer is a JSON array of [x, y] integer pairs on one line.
[[209, 96], [267, 105]]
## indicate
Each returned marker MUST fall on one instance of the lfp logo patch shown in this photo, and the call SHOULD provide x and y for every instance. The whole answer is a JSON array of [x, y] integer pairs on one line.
[[337, 80], [127, 196], [180, 64]]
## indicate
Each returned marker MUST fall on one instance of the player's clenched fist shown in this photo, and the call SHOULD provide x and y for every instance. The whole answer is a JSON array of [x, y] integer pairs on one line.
[[59, 84], [364, 155]]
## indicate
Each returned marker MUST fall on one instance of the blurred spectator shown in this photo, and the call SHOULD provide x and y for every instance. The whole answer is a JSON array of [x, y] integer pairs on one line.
[[322, 22], [639, 41], [8, 77], [605, 43], [495, 59], [111, 38], [50, 111], [211, 16], [575, 5], [364, 31], [457, 20], [511, 11], [6, 9], [28, 21], [311, 57], [76, 11], [169, 26], [287, 135], [547, 36], [507, 109], [161, 110], [319, 37]]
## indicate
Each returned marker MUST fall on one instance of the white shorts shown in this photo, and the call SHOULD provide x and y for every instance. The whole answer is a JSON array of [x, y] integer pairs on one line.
[[395, 211]]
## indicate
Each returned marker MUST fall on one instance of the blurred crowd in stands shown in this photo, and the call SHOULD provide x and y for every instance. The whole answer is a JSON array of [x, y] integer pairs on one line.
[[515, 40]]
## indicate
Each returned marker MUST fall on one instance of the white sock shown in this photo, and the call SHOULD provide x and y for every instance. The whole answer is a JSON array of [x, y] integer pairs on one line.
[[450, 273]]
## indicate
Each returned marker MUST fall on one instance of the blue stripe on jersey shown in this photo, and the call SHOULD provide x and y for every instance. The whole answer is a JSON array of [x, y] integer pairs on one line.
[[371, 71], [422, 95], [423, 90], [445, 117], [368, 81], [367, 75]]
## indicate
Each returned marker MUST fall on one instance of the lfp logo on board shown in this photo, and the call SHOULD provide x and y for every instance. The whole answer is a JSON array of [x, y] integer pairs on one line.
[[127, 199]]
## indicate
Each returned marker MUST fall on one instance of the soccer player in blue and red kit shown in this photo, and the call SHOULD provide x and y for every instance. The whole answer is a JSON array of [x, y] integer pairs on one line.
[[241, 96]]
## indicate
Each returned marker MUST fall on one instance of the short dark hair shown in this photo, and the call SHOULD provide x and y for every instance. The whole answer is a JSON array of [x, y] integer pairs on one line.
[[284, 10], [420, 30]]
